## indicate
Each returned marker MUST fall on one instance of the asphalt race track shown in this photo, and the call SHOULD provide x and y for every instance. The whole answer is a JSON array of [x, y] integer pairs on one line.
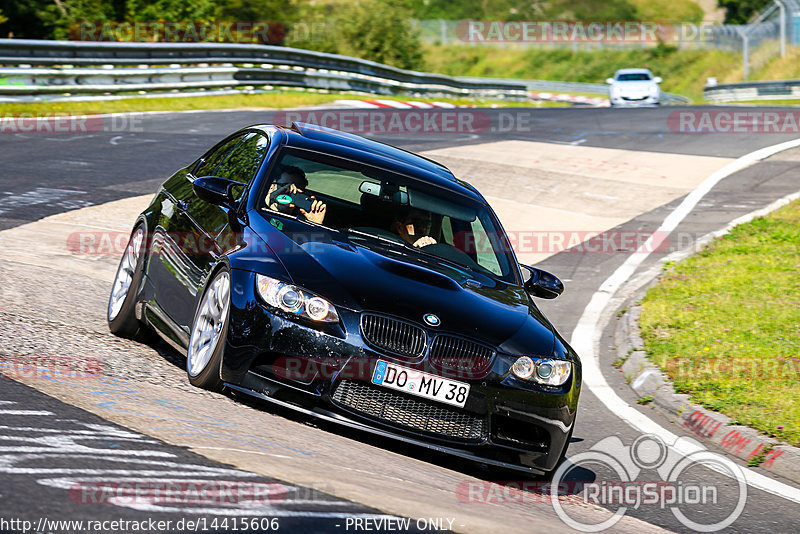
[[60, 436]]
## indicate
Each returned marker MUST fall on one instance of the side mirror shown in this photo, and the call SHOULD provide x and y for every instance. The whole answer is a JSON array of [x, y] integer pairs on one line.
[[543, 284], [658, 79], [215, 190], [609, 80]]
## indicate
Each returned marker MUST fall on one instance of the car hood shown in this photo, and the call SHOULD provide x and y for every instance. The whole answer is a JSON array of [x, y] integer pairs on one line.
[[363, 276], [634, 87]]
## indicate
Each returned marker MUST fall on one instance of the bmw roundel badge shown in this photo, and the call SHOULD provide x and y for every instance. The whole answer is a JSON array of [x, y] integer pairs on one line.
[[431, 319]]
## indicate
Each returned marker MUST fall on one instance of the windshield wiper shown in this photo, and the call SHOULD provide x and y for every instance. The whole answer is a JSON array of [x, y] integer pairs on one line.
[[379, 238]]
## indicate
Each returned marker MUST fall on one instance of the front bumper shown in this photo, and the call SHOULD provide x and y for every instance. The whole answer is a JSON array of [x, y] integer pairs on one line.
[[622, 100], [325, 371]]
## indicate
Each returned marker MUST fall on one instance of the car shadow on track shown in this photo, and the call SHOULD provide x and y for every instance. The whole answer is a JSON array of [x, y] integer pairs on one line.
[[537, 487]]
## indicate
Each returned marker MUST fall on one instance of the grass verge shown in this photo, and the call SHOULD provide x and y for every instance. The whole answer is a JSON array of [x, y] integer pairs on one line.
[[271, 100], [725, 324], [684, 71]]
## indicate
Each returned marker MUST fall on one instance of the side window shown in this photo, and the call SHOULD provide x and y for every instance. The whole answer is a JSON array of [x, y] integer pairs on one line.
[[485, 254], [213, 158], [244, 160], [447, 230]]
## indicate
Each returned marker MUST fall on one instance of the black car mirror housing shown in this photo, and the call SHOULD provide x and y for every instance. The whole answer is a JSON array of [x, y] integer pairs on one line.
[[215, 190], [543, 284]]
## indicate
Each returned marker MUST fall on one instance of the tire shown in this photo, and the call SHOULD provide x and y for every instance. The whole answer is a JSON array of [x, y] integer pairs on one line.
[[209, 332], [121, 312]]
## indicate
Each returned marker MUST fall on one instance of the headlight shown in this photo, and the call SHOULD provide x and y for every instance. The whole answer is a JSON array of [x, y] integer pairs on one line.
[[615, 90], [543, 371], [293, 299], [653, 89]]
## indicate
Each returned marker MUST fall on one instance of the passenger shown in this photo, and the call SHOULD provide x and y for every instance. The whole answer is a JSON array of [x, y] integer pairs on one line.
[[293, 181], [413, 225]]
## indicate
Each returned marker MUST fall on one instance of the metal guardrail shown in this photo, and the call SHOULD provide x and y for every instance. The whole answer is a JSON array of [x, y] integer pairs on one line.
[[737, 92], [112, 67], [581, 87], [65, 67]]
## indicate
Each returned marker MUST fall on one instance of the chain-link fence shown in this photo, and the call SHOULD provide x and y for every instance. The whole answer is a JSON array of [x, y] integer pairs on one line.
[[768, 32]]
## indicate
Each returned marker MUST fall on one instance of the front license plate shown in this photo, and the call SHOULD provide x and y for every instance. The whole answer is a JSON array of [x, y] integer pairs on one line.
[[421, 384]]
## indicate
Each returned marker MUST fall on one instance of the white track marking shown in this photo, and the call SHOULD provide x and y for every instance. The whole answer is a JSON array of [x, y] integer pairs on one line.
[[586, 336], [40, 195], [25, 412]]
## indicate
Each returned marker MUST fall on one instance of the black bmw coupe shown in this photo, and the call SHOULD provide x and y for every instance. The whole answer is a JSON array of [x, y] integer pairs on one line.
[[358, 283]]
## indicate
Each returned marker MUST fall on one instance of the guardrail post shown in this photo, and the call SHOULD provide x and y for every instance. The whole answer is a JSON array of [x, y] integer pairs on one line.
[[745, 51], [783, 26]]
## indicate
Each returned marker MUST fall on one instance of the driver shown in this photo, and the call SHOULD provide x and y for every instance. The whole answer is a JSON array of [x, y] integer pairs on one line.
[[413, 225], [293, 181]]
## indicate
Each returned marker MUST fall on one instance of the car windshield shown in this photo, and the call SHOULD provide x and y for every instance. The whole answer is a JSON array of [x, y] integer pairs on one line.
[[633, 77], [379, 209]]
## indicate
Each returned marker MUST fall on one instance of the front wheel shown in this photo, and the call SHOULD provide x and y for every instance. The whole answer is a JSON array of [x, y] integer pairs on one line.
[[121, 312], [209, 329]]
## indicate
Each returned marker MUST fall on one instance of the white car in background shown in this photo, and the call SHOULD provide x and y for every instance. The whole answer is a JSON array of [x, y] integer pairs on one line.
[[634, 87]]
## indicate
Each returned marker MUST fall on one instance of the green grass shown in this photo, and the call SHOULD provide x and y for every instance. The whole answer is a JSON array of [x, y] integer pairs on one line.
[[684, 71], [668, 10], [272, 100], [725, 324], [277, 99], [781, 102]]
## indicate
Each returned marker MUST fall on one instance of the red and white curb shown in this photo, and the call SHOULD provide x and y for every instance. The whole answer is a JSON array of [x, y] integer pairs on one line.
[[596, 101], [414, 104], [397, 104]]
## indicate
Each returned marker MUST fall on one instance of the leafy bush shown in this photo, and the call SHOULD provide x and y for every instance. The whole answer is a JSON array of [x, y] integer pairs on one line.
[[378, 30]]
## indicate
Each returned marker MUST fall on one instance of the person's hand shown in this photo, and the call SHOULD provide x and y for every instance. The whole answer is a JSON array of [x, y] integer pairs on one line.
[[317, 213], [273, 192], [424, 241], [270, 191]]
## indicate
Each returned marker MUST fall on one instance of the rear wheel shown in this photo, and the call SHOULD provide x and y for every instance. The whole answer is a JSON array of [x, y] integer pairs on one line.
[[121, 313], [209, 330]]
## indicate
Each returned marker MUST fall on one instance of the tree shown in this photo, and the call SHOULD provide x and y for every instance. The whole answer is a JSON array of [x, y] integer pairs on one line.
[[740, 11], [382, 31]]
